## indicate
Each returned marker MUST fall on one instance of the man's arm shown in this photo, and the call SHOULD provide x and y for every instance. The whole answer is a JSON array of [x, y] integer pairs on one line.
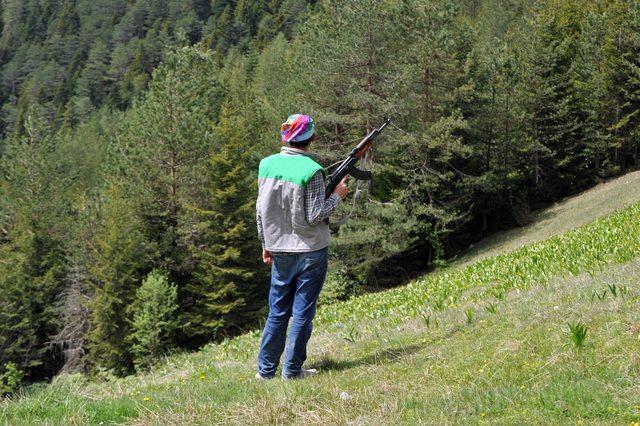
[[259, 224], [317, 207], [267, 257]]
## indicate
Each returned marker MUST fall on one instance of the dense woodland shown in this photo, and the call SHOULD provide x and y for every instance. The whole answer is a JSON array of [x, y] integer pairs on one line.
[[131, 132]]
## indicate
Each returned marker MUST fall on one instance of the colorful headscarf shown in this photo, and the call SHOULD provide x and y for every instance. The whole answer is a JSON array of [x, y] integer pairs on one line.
[[298, 127]]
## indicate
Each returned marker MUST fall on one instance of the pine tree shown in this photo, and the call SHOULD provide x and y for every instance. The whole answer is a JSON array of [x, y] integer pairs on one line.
[[82, 150], [227, 288], [32, 208], [351, 91], [593, 95], [274, 91], [91, 83], [165, 139], [119, 256], [622, 50], [547, 90], [153, 319]]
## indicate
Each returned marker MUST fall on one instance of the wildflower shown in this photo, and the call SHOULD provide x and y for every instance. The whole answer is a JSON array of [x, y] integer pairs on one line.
[[146, 398], [521, 386]]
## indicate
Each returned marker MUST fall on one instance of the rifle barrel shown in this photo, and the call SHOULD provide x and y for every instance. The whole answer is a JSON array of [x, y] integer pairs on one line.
[[343, 167], [369, 138]]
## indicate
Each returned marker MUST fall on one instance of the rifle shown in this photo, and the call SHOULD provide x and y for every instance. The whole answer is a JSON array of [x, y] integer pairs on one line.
[[347, 166]]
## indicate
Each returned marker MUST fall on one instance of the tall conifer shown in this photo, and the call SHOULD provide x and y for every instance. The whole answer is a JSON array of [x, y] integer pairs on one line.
[[227, 286]]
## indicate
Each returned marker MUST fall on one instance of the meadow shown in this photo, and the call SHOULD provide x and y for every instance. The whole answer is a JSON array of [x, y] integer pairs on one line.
[[546, 333]]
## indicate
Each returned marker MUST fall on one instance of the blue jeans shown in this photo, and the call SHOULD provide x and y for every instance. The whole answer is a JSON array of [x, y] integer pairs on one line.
[[296, 281]]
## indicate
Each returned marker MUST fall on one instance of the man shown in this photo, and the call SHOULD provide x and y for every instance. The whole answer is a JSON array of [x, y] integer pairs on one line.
[[291, 212]]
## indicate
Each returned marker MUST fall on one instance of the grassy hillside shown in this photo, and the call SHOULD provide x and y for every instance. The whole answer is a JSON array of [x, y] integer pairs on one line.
[[578, 210], [485, 340]]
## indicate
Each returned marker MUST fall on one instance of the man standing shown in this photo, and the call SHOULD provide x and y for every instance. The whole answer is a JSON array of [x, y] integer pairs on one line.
[[291, 212]]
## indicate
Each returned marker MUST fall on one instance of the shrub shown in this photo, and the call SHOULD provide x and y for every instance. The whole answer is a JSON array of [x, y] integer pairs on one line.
[[11, 378], [338, 287], [154, 319]]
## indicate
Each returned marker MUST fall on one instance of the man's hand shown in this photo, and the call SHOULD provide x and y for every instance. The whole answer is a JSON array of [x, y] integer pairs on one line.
[[341, 189], [267, 257]]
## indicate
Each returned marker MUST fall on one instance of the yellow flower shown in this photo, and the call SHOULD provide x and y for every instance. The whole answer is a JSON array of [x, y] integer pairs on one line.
[[146, 398], [521, 386]]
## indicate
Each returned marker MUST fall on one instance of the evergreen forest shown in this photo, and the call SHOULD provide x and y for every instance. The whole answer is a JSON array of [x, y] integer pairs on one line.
[[131, 131]]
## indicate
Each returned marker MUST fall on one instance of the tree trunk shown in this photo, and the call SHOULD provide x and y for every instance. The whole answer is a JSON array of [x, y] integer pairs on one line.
[[369, 77], [427, 94], [507, 136], [536, 165]]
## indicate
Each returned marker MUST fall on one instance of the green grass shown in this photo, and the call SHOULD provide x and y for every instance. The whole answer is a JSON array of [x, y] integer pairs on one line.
[[413, 355], [613, 239], [561, 217]]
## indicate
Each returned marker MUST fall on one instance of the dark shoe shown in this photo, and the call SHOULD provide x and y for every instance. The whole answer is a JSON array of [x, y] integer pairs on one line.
[[260, 377]]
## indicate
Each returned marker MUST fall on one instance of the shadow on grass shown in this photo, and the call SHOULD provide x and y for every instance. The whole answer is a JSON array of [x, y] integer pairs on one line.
[[383, 356]]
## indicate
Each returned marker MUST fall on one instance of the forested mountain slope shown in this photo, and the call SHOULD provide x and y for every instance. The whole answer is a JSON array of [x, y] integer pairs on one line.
[[61, 60], [496, 339], [132, 131]]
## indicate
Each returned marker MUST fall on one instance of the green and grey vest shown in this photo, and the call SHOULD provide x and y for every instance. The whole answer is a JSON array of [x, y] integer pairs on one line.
[[282, 179]]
